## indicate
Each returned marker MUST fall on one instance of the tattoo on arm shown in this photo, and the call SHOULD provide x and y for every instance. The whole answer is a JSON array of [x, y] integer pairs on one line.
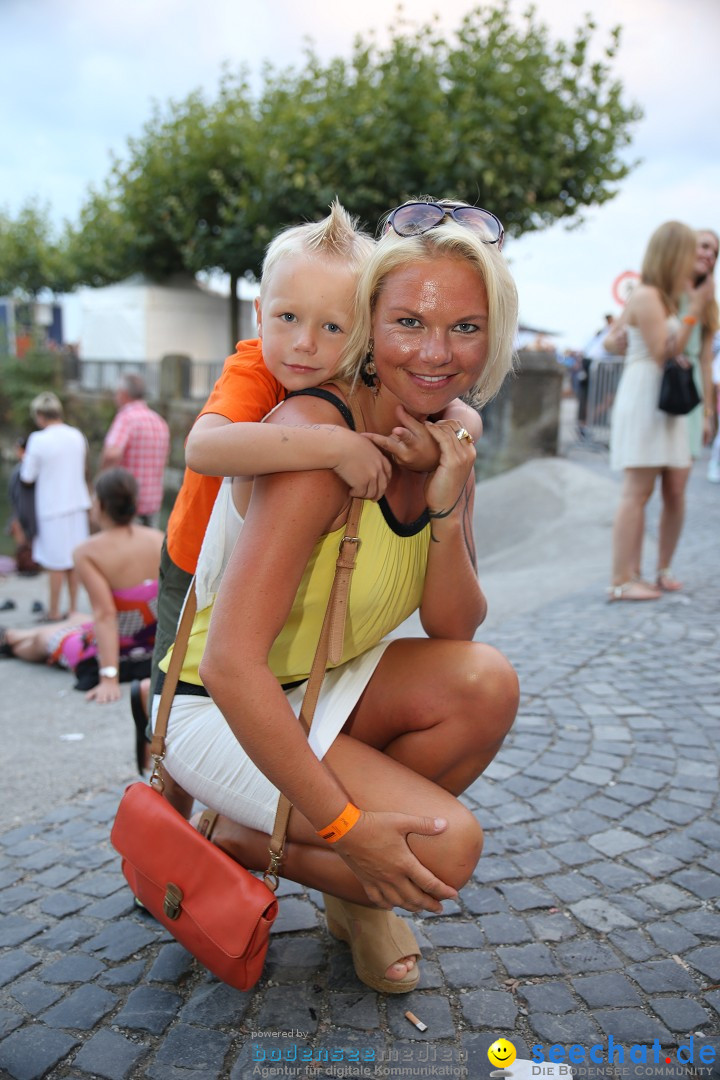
[[468, 531], [435, 514], [468, 537]]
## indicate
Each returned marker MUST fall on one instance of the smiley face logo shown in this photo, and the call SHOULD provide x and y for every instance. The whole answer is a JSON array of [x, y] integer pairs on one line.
[[502, 1053]]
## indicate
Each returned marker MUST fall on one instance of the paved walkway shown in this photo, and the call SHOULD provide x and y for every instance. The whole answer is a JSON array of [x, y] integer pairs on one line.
[[592, 917]]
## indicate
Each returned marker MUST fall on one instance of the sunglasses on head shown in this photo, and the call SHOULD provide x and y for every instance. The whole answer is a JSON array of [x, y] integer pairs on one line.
[[415, 218]]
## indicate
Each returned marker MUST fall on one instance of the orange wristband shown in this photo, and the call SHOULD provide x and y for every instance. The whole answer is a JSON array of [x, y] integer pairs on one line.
[[342, 824], [689, 320]]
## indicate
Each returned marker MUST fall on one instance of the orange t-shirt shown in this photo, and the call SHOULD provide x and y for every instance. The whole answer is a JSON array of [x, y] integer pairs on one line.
[[246, 391]]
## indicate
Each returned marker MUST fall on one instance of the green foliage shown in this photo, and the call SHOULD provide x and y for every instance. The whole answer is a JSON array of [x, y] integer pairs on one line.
[[23, 378], [496, 114], [32, 258]]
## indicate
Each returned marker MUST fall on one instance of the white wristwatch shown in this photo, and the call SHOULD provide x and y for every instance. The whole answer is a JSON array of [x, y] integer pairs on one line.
[[108, 672]]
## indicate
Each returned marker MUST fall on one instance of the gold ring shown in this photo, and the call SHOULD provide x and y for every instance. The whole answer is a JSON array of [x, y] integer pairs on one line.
[[463, 435]]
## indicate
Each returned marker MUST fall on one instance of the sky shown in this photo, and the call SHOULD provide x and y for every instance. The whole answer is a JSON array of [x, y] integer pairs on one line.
[[79, 78]]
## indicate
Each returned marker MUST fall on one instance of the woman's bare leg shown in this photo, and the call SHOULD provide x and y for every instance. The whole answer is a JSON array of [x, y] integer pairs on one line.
[[629, 526], [431, 720], [442, 708], [32, 644], [674, 483], [56, 578], [183, 802], [27, 644], [374, 782], [72, 585]]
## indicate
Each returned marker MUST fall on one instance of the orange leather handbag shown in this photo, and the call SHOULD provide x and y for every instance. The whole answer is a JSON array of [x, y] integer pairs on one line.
[[211, 904]]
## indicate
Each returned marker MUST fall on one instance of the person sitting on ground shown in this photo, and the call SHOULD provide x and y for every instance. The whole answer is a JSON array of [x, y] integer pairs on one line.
[[118, 568], [402, 727]]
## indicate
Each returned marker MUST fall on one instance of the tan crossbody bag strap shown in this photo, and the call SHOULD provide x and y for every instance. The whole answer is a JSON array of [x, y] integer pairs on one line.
[[329, 647]]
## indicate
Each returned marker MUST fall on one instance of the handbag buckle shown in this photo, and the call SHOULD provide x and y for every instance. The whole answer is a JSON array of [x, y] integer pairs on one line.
[[156, 778], [271, 877], [172, 904]]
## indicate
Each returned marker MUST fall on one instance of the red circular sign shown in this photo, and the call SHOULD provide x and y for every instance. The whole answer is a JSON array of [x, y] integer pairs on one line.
[[623, 285]]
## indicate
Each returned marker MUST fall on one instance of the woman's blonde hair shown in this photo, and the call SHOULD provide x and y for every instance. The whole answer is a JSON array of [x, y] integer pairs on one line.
[[337, 236], [668, 259], [48, 405], [446, 240]]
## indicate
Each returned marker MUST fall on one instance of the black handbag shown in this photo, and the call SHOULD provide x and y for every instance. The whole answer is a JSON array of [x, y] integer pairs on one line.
[[678, 392]]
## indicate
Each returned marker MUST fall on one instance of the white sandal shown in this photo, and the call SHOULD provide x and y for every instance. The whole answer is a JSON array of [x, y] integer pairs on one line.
[[667, 581], [633, 590]]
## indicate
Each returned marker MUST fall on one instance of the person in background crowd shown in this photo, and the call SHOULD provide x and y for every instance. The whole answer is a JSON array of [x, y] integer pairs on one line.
[[22, 526], [139, 441], [701, 421], [713, 472], [644, 441], [593, 351], [55, 461], [118, 568]]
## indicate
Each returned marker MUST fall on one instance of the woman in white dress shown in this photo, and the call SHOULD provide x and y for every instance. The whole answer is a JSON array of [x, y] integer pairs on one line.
[[644, 441]]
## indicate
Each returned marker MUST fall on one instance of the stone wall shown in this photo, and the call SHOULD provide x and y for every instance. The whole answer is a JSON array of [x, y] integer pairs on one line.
[[523, 421]]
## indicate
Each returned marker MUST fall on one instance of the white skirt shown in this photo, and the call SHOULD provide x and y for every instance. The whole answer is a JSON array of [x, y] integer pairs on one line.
[[205, 758], [57, 537], [641, 436]]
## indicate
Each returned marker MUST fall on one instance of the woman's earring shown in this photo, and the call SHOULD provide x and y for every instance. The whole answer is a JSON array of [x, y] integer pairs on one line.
[[368, 371]]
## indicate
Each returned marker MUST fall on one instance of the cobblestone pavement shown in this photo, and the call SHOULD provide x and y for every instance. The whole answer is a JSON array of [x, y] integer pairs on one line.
[[593, 914]]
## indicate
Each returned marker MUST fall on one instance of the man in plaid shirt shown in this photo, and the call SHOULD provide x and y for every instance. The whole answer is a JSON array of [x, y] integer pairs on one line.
[[139, 441]]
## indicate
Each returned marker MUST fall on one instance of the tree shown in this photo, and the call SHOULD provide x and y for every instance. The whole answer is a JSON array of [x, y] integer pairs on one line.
[[31, 257], [32, 260], [496, 114]]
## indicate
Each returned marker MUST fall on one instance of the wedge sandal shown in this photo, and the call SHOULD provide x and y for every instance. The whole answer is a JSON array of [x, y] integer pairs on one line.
[[377, 939]]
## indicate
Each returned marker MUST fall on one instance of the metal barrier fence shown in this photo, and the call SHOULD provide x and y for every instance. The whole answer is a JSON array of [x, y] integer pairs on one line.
[[106, 374], [602, 387], [99, 375]]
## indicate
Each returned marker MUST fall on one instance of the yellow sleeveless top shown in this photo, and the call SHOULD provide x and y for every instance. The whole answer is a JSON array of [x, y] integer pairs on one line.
[[386, 587]]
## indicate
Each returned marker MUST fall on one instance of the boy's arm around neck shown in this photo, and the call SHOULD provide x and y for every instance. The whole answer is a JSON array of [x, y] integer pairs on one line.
[[217, 447]]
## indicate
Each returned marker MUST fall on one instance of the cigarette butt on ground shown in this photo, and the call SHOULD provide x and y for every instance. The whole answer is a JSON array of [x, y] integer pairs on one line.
[[415, 1022]]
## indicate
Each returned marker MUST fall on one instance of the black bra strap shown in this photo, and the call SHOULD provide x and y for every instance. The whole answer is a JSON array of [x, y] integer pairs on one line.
[[326, 395]]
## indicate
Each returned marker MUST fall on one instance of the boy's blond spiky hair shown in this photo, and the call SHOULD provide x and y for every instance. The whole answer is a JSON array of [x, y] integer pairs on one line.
[[337, 236]]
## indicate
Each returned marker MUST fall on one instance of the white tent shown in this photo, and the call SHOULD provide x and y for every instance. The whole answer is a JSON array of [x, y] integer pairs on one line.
[[140, 320]]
